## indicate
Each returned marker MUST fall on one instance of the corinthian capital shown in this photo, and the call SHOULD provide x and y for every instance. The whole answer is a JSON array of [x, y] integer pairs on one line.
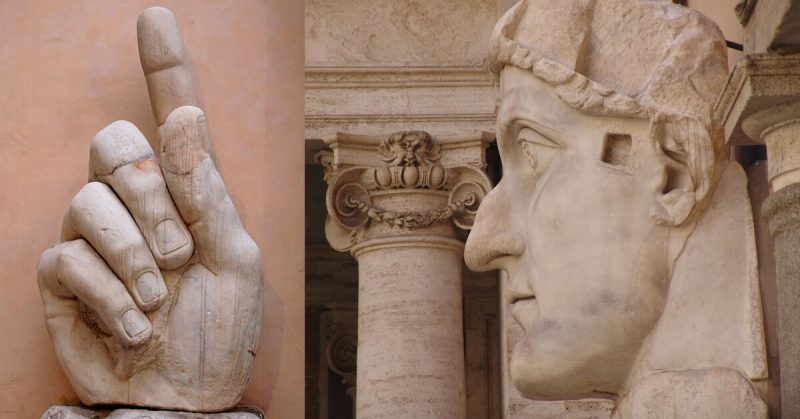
[[407, 183]]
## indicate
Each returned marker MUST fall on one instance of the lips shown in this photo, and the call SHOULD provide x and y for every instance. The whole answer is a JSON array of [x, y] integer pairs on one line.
[[514, 296], [525, 312], [523, 307]]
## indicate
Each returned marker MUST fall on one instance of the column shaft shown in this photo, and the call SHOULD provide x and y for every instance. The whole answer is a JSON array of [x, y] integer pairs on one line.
[[411, 344], [782, 210]]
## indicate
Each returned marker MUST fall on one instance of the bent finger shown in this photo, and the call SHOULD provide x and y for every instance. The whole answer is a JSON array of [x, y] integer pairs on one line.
[[121, 157], [74, 270], [164, 63], [198, 190], [97, 215]]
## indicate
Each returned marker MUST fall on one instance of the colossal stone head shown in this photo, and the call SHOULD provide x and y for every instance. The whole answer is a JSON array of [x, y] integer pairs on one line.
[[611, 164]]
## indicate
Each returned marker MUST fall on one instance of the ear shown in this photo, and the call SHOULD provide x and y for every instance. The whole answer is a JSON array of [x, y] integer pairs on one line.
[[676, 198]]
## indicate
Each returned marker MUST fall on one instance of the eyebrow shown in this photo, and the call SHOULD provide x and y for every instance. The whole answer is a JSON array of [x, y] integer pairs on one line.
[[522, 115]]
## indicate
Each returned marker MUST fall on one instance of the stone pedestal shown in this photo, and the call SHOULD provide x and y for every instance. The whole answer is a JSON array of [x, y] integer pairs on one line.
[[761, 105], [74, 412], [401, 207]]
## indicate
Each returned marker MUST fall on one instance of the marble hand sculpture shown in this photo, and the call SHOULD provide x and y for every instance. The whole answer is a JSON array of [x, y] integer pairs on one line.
[[626, 234], [154, 296]]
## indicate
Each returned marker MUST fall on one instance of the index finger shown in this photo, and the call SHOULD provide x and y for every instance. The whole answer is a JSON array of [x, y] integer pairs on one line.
[[164, 63]]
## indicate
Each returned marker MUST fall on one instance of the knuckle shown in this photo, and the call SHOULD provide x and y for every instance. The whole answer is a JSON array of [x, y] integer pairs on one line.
[[141, 175], [117, 145], [118, 245], [243, 257], [183, 140], [45, 268], [87, 197], [60, 261], [71, 257]]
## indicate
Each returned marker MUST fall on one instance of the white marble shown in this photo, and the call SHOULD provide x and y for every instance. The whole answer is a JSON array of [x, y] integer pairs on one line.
[[626, 235], [153, 296]]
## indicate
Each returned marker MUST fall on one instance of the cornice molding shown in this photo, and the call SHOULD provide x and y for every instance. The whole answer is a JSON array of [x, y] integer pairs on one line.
[[375, 77]]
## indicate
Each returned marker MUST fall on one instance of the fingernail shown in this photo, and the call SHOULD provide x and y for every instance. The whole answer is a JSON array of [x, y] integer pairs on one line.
[[134, 323], [169, 236], [147, 287]]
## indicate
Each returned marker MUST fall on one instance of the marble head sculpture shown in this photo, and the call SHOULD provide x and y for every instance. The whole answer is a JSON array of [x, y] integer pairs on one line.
[[626, 234], [153, 297]]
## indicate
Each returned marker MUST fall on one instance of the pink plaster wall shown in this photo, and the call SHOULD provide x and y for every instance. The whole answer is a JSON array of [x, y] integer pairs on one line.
[[68, 68]]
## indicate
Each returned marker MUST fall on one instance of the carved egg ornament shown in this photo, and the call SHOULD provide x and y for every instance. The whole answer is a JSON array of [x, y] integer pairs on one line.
[[410, 176], [383, 177], [436, 179]]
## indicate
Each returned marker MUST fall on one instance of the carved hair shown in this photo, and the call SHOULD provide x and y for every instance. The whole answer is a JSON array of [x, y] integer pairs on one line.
[[681, 126]]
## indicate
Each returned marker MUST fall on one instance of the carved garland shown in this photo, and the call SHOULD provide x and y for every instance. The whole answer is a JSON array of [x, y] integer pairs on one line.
[[410, 161], [409, 219]]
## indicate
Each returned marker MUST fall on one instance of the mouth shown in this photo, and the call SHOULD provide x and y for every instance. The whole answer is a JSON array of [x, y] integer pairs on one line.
[[515, 296], [524, 309]]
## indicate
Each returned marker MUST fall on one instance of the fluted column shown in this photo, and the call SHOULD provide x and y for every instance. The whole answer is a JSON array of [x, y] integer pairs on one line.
[[761, 105], [401, 207]]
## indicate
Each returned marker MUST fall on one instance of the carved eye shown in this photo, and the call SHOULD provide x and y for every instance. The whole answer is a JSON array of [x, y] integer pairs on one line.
[[537, 147], [527, 135]]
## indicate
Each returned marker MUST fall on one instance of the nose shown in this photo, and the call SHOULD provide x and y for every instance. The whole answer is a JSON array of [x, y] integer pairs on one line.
[[492, 237]]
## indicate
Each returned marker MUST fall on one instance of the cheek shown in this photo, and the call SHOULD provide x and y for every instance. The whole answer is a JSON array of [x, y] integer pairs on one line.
[[590, 233], [584, 203]]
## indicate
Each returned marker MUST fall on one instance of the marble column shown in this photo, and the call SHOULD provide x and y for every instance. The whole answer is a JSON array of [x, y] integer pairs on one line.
[[761, 105], [401, 206]]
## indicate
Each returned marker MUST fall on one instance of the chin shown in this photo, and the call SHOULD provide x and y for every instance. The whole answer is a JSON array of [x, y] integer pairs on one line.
[[542, 373]]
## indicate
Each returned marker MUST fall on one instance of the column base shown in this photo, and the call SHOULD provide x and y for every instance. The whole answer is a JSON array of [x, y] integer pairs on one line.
[[76, 412]]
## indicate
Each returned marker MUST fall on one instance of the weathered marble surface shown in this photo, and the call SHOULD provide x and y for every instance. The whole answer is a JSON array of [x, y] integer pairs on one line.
[[154, 295], [377, 67], [74, 412], [771, 26], [398, 204], [626, 235], [761, 105], [397, 31]]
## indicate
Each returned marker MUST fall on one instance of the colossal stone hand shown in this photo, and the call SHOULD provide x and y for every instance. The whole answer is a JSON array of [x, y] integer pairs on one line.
[[154, 295]]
